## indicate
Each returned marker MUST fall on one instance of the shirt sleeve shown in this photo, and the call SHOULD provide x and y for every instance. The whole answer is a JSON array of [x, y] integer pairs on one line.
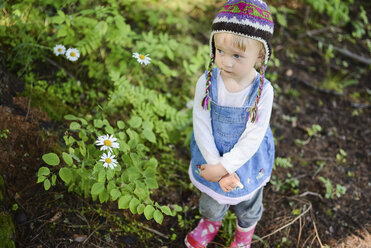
[[251, 138], [202, 129]]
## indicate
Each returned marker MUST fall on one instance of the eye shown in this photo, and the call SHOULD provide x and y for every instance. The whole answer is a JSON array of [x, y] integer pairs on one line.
[[237, 56], [220, 51]]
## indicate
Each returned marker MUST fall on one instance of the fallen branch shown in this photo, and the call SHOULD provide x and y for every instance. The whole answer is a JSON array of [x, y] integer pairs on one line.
[[354, 56], [311, 193], [155, 231]]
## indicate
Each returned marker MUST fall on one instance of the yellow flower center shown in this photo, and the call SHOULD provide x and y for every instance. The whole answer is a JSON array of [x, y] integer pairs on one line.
[[60, 50], [73, 54], [108, 160], [142, 56], [107, 143]]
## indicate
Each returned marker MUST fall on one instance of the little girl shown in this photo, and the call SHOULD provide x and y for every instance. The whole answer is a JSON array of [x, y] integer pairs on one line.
[[232, 147]]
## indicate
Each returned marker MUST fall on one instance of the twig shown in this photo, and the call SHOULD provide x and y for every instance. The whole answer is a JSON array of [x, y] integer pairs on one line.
[[96, 229], [297, 245], [315, 229], [288, 224], [59, 67], [305, 241], [155, 231], [354, 56], [311, 193], [344, 51]]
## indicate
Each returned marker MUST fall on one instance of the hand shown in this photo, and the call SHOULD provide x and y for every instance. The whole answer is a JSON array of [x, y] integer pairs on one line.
[[213, 172], [229, 182]]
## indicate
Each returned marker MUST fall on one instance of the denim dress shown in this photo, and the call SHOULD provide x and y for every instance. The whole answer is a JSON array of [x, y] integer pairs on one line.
[[228, 124]]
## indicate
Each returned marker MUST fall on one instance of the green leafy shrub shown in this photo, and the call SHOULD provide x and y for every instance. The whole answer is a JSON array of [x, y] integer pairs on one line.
[[130, 183]]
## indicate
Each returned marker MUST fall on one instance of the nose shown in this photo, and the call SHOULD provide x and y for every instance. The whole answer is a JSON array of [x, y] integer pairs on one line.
[[227, 61]]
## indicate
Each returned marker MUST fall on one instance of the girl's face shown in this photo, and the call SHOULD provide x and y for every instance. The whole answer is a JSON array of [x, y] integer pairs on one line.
[[234, 63]]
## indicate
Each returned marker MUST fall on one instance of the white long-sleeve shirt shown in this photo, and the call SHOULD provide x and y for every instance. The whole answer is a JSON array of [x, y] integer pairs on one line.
[[250, 139]]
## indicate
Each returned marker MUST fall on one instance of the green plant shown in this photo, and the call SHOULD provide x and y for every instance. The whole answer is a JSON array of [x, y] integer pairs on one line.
[[282, 162], [4, 133], [129, 183], [289, 183], [341, 156], [314, 130], [337, 10], [331, 192]]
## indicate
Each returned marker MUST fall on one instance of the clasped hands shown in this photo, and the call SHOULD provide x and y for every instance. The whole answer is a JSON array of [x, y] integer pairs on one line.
[[217, 173]]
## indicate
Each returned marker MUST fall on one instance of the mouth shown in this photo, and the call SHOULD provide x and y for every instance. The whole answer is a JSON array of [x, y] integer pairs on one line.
[[228, 72]]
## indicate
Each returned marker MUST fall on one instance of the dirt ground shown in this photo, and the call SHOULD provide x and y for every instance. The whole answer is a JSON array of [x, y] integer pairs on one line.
[[55, 218]]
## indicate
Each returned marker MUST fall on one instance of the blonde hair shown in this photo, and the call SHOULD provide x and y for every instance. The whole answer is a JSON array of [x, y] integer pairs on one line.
[[240, 42]]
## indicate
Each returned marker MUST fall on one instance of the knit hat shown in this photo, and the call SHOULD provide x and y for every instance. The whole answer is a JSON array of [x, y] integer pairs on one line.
[[250, 19]]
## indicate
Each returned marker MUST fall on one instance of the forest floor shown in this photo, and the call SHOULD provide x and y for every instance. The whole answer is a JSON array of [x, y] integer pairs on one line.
[[297, 215], [56, 218]]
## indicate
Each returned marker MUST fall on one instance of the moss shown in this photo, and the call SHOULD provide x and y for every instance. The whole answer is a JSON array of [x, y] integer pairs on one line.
[[50, 104], [7, 230]]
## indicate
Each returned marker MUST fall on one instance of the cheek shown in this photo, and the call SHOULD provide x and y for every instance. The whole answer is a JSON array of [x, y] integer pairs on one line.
[[217, 60]]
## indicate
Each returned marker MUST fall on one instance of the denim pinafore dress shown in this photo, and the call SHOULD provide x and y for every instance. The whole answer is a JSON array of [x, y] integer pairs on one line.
[[228, 124]]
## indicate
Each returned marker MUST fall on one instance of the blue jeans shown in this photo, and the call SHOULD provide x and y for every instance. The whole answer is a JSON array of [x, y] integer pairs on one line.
[[248, 212]]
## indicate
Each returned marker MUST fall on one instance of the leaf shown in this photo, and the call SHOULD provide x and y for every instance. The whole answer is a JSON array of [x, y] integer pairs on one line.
[[115, 194], [134, 173], [51, 159], [141, 193], [82, 147], [148, 212], [67, 158], [70, 117], [109, 130], [166, 210], [124, 201], [121, 124], [149, 135], [65, 174], [140, 208], [41, 179], [133, 205], [98, 123], [158, 216], [103, 196], [150, 172], [75, 126], [54, 179], [47, 184], [102, 176], [101, 28], [43, 171], [151, 183], [135, 121], [97, 188]]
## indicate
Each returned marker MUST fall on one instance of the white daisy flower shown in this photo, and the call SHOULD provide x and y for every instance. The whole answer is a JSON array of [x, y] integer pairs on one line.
[[59, 49], [142, 59], [72, 54], [109, 160], [107, 142], [189, 104]]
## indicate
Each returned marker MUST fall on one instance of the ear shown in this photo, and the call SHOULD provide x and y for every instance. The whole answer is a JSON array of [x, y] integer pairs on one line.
[[261, 56]]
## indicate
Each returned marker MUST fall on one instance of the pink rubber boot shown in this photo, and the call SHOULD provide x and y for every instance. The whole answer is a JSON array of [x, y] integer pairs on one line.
[[243, 237], [202, 234]]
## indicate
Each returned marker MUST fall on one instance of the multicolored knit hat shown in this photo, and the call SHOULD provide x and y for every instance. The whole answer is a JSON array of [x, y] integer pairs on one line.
[[248, 18]]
